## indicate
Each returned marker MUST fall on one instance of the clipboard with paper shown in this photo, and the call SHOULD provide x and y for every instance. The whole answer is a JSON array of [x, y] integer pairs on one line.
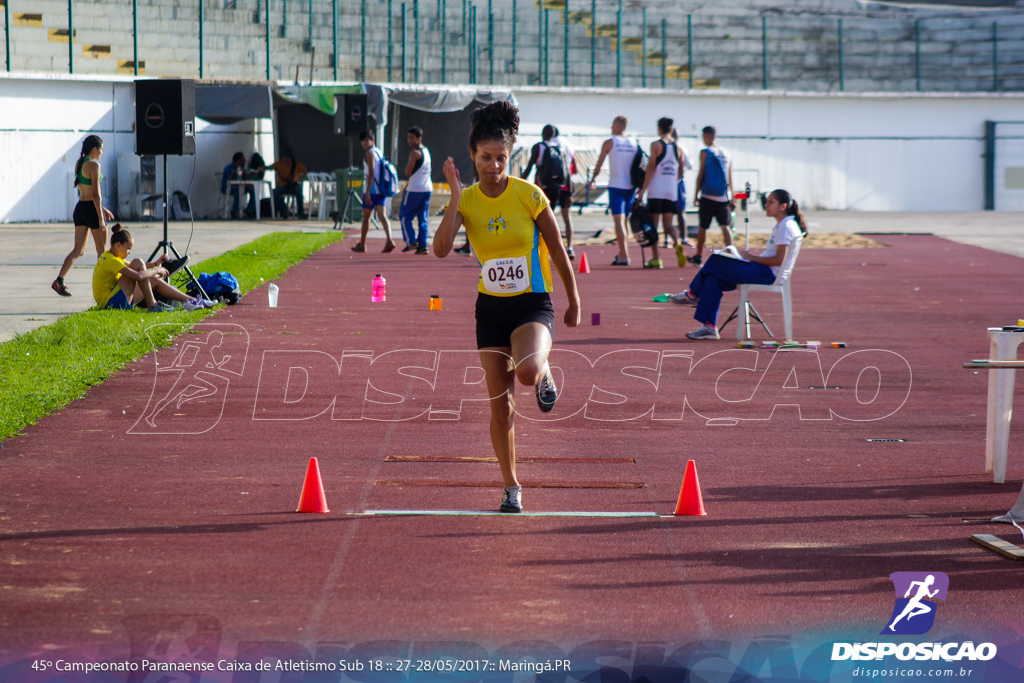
[[730, 252]]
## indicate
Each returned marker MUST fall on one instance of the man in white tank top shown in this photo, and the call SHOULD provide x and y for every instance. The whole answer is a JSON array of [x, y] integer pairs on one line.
[[416, 199], [620, 152]]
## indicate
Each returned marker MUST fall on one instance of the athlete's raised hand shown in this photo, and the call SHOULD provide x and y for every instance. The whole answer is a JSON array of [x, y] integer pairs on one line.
[[451, 174]]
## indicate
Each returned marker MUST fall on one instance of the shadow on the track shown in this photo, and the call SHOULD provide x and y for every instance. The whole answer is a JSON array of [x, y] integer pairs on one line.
[[232, 528]]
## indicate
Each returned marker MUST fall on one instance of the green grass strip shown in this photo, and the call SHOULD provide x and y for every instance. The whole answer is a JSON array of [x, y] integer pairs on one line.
[[47, 368]]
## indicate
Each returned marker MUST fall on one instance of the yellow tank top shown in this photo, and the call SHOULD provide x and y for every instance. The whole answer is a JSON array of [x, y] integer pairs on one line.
[[504, 234]]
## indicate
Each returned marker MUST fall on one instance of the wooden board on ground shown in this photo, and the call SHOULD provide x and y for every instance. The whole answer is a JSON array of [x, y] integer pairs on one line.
[[1004, 548]]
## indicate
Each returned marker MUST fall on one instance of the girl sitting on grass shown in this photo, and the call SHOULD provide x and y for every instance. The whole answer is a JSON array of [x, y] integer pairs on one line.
[[120, 285]]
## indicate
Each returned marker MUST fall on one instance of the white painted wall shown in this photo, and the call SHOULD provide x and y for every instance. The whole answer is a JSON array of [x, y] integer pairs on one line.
[[44, 119], [848, 151], [865, 152]]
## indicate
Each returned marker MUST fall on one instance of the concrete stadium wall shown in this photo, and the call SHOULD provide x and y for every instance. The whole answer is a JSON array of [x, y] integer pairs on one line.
[[43, 121], [862, 152]]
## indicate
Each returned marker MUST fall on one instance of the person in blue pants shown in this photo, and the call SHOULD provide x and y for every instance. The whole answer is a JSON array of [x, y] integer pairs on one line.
[[416, 199], [723, 273]]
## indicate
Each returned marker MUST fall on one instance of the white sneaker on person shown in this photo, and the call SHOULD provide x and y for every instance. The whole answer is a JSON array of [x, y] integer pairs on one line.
[[159, 307], [683, 298], [195, 304], [208, 303], [705, 332], [512, 500]]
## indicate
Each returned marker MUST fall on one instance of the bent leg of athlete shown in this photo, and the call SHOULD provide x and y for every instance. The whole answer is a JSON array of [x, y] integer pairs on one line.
[[620, 237], [100, 238], [567, 217], [383, 218], [725, 213], [78, 251]]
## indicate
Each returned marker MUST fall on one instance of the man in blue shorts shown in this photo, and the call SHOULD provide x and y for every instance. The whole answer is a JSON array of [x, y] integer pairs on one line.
[[620, 151], [373, 197]]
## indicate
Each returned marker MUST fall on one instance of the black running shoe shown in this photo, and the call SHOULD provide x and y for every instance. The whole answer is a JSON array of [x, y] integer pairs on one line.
[[174, 265], [695, 260], [547, 393], [59, 287]]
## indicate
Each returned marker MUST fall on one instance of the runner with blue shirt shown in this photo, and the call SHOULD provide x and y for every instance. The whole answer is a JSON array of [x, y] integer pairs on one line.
[[373, 197], [416, 200]]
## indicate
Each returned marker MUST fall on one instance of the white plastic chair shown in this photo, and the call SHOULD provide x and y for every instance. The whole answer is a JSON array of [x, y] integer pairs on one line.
[[223, 199], [328, 197], [781, 285]]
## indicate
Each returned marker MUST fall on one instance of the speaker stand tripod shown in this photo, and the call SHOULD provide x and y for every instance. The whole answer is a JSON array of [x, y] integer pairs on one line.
[[166, 244]]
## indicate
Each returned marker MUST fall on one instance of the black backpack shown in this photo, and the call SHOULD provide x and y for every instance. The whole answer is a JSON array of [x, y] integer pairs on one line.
[[642, 226], [553, 167], [638, 169]]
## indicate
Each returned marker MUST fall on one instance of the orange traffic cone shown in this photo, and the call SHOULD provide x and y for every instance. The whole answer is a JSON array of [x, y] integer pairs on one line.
[[690, 502], [313, 498], [584, 266]]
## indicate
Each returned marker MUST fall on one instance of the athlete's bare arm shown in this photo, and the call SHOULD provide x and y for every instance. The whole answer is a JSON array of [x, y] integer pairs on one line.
[[700, 176], [606, 148], [371, 173], [649, 175], [410, 166], [553, 238], [444, 238]]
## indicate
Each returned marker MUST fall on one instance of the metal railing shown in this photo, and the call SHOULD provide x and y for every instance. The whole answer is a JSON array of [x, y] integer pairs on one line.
[[598, 44]]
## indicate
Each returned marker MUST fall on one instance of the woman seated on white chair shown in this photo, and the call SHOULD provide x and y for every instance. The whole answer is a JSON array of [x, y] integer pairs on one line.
[[722, 273]]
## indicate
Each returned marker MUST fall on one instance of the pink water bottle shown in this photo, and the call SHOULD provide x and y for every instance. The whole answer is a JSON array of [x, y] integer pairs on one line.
[[377, 289]]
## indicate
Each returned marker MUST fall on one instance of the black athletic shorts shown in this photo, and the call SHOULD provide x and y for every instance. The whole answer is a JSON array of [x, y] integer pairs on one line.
[[497, 317], [558, 196], [655, 206], [709, 209], [85, 214]]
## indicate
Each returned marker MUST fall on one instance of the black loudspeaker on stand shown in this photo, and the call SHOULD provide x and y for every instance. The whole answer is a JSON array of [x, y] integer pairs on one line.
[[165, 123]]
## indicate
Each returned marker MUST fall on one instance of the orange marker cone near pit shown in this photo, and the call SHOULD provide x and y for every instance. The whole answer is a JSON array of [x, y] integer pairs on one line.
[[313, 498], [690, 503], [584, 266]]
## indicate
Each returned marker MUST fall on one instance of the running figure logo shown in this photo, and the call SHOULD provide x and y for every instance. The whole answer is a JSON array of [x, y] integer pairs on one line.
[[914, 612], [192, 379]]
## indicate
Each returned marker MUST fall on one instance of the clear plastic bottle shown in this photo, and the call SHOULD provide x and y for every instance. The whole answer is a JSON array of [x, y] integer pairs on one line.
[[377, 289]]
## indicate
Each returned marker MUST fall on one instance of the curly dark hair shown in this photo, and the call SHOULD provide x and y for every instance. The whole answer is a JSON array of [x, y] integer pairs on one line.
[[495, 121]]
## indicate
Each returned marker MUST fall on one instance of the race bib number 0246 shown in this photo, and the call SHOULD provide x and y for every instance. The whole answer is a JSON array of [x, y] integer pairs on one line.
[[506, 275]]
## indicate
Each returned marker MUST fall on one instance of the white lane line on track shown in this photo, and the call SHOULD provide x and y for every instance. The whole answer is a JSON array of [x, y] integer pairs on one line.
[[456, 513]]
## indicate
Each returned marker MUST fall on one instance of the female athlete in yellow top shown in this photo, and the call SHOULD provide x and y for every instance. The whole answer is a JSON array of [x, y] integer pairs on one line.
[[513, 233]]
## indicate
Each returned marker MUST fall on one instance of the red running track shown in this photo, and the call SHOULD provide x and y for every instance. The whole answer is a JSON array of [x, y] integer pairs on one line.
[[106, 533]]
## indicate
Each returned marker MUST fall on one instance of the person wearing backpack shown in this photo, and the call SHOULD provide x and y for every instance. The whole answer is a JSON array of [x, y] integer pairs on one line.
[[416, 199], [622, 154], [554, 160], [374, 191], [713, 192], [661, 184]]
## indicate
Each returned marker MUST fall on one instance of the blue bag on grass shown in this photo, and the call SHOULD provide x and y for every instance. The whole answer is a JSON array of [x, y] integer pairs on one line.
[[219, 285]]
